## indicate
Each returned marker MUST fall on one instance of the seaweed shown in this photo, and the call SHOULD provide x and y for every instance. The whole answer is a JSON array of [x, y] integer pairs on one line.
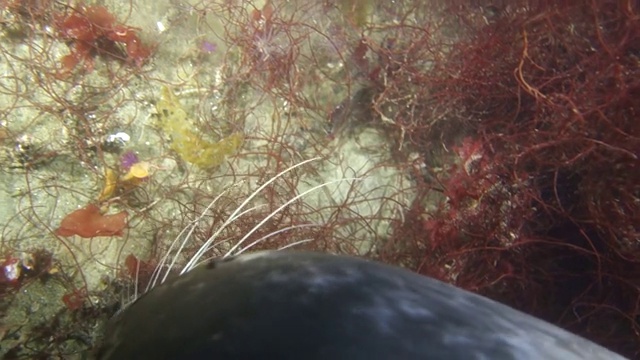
[[186, 142]]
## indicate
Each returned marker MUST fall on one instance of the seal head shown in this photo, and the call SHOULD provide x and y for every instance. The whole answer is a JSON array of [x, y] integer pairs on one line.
[[297, 305]]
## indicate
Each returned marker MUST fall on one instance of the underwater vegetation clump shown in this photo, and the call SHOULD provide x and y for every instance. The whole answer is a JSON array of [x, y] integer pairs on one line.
[[185, 141], [88, 222], [93, 29], [537, 106]]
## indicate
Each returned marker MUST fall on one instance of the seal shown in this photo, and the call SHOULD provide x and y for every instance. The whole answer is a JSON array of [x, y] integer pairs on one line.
[[301, 305]]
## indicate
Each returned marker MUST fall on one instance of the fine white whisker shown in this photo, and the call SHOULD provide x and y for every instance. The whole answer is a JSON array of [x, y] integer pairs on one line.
[[263, 239], [172, 256], [189, 229], [135, 284], [275, 212], [293, 244], [195, 259], [288, 228]]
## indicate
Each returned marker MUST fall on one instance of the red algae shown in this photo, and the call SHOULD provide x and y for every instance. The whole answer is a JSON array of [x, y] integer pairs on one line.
[[93, 29], [88, 222]]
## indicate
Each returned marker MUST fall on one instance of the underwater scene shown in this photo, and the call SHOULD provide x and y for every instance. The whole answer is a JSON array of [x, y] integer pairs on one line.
[[492, 145]]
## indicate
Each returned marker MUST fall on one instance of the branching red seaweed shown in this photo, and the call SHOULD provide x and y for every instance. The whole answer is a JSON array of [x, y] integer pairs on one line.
[[91, 30], [543, 201]]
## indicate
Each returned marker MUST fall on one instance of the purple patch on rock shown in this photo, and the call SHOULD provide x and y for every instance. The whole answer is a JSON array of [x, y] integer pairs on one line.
[[128, 159], [207, 46]]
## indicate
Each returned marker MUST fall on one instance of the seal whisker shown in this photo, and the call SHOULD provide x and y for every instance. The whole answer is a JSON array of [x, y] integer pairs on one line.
[[288, 228], [294, 244], [195, 258], [189, 229], [240, 251], [289, 202]]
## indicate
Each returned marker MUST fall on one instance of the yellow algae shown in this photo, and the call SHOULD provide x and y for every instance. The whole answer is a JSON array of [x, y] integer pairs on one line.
[[139, 170], [110, 182], [186, 142]]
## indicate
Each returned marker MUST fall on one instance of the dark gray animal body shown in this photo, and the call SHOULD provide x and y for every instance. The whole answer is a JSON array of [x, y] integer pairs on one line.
[[296, 305]]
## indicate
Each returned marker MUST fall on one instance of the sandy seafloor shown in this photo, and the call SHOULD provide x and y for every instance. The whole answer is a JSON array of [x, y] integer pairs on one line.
[[34, 200]]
